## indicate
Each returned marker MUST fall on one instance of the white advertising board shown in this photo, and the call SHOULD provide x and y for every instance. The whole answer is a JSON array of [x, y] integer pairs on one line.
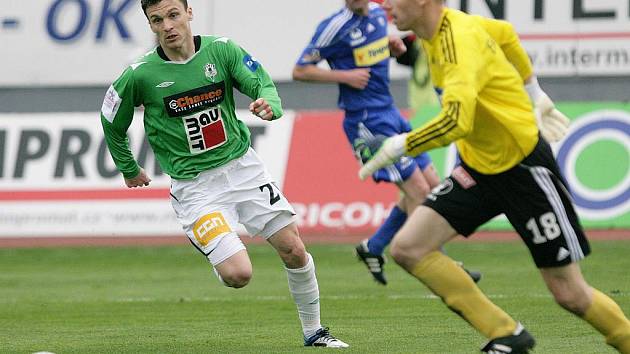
[[562, 37], [57, 178], [566, 37], [89, 42]]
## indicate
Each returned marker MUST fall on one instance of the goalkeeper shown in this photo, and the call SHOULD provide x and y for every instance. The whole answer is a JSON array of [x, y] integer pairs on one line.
[[507, 168]]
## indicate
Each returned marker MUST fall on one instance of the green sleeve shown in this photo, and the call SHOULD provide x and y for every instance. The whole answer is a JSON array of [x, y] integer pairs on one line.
[[116, 116], [251, 78]]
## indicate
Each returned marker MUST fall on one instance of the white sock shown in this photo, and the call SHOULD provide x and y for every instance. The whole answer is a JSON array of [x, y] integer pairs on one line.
[[305, 291]]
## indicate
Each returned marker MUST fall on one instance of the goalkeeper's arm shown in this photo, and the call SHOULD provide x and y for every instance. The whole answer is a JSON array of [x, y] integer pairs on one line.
[[553, 125]]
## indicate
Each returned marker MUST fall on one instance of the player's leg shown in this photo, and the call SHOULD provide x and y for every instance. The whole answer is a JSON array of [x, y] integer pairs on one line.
[[363, 131], [370, 251], [451, 209], [210, 226], [572, 292], [300, 270], [550, 227], [264, 211], [214, 236], [303, 285], [412, 176], [236, 270], [415, 188], [416, 248], [433, 180], [413, 191]]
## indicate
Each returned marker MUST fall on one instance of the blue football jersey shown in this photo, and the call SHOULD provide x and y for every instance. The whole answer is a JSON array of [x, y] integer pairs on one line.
[[349, 41]]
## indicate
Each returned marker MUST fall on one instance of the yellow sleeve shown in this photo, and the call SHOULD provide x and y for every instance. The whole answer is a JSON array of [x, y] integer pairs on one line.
[[460, 67], [504, 34]]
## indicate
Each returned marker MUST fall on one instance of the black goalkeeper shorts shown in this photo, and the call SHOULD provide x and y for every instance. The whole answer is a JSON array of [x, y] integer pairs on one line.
[[533, 196]]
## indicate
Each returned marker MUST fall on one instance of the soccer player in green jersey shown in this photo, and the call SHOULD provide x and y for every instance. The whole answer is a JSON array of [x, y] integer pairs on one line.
[[507, 168], [186, 87]]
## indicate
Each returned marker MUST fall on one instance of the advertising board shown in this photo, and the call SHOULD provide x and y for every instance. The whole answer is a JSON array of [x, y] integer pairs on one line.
[[90, 42]]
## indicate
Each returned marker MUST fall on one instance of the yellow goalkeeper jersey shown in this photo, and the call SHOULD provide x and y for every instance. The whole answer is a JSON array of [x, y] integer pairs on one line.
[[485, 108], [504, 34]]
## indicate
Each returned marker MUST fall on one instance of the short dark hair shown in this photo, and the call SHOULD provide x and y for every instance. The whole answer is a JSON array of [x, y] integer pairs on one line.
[[147, 3]]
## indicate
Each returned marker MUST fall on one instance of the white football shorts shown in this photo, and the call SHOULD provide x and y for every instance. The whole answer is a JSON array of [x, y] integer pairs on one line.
[[210, 206]]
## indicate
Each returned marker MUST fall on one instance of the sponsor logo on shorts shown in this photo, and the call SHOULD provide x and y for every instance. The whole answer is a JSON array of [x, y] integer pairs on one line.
[[443, 188], [562, 254], [463, 177], [188, 102], [210, 226]]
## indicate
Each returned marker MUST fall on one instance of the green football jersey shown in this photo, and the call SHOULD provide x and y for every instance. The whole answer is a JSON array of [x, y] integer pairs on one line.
[[189, 115]]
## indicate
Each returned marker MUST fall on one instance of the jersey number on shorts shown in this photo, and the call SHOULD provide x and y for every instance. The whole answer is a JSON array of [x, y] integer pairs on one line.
[[273, 197], [205, 130], [550, 228]]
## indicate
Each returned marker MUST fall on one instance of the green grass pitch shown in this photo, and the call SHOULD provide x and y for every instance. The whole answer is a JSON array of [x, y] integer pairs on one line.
[[167, 300]]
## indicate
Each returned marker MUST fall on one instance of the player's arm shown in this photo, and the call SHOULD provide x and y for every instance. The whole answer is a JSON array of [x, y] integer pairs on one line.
[[357, 78], [506, 37], [116, 116], [307, 70], [397, 46], [252, 80], [552, 123], [455, 120], [409, 57], [459, 98]]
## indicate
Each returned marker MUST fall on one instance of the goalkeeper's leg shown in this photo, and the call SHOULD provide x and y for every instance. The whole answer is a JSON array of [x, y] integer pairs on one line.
[[416, 249], [571, 291], [414, 191]]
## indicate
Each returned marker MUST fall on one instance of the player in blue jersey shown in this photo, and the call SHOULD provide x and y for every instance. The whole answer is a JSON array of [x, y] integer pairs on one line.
[[355, 43]]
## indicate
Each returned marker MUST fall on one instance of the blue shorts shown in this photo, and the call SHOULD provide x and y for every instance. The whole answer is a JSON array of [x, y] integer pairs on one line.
[[383, 121]]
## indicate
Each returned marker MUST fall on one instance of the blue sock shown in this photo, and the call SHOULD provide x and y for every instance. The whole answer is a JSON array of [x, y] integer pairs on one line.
[[385, 233]]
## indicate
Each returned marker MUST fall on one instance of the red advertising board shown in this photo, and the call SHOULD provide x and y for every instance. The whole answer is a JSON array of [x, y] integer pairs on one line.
[[322, 184]]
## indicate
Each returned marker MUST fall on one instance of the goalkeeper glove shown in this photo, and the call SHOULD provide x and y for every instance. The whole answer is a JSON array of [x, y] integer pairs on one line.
[[365, 148], [393, 148], [553, 125]]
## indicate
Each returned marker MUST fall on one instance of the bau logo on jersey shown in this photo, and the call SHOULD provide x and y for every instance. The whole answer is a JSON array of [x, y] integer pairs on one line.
[[188, 102], [205, 130]]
